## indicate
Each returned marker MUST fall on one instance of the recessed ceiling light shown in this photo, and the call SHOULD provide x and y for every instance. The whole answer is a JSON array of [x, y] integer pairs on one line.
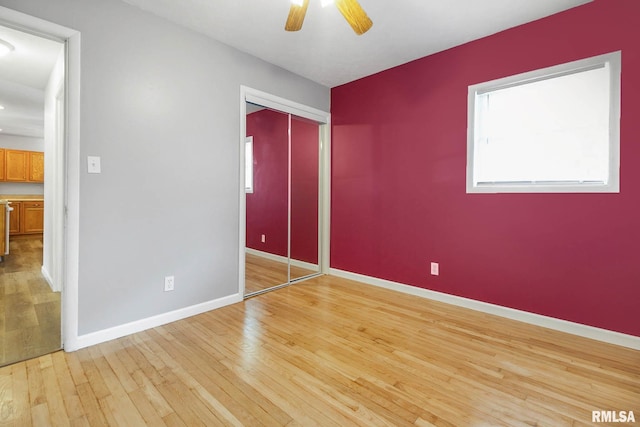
[[5, 48], [1, 107]]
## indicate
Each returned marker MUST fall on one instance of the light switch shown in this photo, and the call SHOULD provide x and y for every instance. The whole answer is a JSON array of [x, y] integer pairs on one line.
[[93, 164]]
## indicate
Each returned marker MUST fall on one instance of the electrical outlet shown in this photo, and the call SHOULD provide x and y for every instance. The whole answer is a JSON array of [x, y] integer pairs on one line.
[[263, 238], [435, 269], [169, 283]]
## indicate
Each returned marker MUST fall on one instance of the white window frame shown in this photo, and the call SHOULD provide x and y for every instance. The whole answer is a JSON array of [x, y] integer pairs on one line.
[[612, 60], [248, 169]]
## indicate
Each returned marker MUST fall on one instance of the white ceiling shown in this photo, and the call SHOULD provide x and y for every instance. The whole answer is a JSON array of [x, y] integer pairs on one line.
[[24, 74], [327, 50]]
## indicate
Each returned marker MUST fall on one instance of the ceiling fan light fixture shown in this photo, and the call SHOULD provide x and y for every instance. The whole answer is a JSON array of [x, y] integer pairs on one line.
[[350, 9], [355, 15], [296, 15], [5, 48]]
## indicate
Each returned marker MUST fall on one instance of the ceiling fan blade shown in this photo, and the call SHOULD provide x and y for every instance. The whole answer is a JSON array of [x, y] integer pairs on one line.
[[296, 16], [355, 15]]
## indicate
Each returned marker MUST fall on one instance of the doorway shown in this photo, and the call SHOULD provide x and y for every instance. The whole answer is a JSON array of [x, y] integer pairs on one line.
[[284, 192], [32, 92]]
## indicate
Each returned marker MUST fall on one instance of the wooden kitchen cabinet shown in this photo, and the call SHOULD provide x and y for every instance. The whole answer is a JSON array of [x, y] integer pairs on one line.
[[36, 166], [21, 165], [14, 218], [2, 157], [16, 162], [32, 217], [27, 217]]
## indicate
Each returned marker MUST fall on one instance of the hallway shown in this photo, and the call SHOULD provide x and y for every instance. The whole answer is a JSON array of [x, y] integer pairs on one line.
[[29, 310]]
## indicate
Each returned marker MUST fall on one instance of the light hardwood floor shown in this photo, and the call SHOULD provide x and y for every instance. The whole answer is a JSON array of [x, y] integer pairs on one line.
[[328, 352], [262, 273], [29, 310]]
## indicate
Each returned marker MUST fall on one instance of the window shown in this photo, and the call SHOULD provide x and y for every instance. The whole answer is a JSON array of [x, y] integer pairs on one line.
[[550, 130], [248, 165]]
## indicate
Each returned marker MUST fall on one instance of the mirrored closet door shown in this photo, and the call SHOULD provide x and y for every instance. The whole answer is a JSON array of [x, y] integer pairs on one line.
[[304, 187], [282, 181]]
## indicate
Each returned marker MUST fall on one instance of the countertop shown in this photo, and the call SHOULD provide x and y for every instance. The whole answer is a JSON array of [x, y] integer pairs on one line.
[[22, 197]]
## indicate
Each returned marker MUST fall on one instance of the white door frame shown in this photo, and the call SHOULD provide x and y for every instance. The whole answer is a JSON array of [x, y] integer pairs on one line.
[[68, 223], [265, 99], [57, 210]]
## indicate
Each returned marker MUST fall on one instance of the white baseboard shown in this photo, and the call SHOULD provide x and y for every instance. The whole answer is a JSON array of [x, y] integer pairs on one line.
[[579, 329], [304, 264], [282, 259], [48, 278], [267, 255], [98, 337]]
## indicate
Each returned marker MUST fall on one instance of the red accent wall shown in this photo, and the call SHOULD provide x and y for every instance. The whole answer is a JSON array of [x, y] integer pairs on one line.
[[267, 205], [398, 181]]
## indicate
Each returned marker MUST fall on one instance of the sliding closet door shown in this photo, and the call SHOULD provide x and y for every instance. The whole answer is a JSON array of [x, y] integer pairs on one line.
[[267, 200], [285, 195], [305, 162]]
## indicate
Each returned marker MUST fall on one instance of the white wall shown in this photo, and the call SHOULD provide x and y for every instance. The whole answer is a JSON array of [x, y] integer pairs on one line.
[[21, 143], [160, 105], [53, 176]]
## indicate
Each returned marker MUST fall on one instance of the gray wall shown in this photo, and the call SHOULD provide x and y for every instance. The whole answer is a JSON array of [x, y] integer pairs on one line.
[[160, 105]]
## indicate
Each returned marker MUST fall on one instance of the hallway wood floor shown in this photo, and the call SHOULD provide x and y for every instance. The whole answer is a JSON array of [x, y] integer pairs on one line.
[[29, 310], [327, 352]]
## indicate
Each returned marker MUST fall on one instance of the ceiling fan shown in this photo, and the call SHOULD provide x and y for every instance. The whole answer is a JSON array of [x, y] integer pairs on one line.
[[350, 9]]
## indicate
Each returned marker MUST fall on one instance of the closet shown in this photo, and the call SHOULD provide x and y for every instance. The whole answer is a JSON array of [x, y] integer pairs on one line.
[[283, 197]]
